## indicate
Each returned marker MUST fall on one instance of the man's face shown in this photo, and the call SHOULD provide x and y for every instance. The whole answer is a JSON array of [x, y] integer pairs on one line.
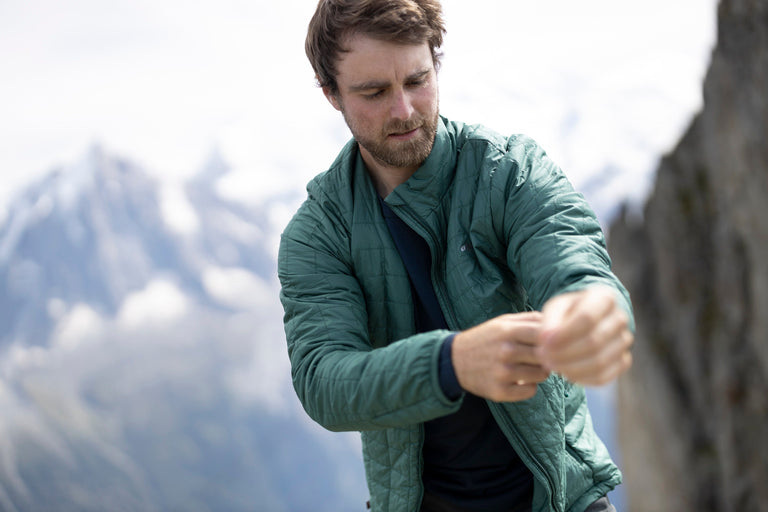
[[388, 95]]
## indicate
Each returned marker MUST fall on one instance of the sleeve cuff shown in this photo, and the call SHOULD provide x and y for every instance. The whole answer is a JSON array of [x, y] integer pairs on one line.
[[446, 373]]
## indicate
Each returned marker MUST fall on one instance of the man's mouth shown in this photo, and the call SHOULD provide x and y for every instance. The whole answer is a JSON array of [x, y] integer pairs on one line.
[[404, 135]]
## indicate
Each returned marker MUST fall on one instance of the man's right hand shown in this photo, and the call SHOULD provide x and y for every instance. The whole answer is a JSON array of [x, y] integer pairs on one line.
[[496, 359]]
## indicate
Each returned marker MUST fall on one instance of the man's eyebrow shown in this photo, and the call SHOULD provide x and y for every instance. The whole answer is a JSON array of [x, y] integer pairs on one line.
[[383, 84], [418, 75], [367, 86]]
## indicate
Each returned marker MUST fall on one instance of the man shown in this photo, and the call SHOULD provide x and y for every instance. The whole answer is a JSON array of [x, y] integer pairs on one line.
[[446, 292]]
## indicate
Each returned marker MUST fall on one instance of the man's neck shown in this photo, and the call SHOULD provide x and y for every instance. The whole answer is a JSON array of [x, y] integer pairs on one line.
[[386, 178]]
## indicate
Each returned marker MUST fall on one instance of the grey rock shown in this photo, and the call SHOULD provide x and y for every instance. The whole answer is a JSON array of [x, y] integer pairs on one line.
[[693, 410]]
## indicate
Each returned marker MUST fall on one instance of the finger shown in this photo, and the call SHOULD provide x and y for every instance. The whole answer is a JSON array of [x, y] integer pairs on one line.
[[514, 392], [534, 316], [527, 374], [606, 331], [508, 374], [602, 367], [519, 353], [555, 311], [593, 378], [526, 331], [628, 338], [609, 374], [578, 317]]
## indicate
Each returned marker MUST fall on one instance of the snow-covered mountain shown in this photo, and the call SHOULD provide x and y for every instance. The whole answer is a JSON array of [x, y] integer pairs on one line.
[[142, 359], [102, 229]]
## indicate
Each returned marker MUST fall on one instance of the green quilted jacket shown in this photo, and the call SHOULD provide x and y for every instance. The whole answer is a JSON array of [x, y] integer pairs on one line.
[[506, 232]]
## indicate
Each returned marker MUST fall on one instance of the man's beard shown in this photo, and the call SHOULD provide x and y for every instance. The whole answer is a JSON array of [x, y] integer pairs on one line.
[[401, 154]]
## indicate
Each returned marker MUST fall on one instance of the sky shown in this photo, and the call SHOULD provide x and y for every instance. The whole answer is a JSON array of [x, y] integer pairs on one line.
[[599, 84]]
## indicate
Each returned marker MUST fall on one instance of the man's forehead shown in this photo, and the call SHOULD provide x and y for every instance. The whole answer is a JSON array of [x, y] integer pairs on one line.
[[368, 59]]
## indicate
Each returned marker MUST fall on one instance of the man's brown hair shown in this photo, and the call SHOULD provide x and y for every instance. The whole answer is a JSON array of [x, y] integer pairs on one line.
[[397, 21]]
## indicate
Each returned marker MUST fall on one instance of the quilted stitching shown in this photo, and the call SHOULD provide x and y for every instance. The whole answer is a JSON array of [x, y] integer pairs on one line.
[[346, 292]]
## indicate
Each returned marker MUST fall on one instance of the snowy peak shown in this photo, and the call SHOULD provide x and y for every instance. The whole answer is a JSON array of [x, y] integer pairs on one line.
[[97, 171], [215, 168], [101, 230]]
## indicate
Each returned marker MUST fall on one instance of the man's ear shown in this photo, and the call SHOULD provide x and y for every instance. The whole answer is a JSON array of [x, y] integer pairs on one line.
[[332, 98]]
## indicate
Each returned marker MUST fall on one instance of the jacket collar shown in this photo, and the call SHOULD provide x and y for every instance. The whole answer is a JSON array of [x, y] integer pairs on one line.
[[426, 187]]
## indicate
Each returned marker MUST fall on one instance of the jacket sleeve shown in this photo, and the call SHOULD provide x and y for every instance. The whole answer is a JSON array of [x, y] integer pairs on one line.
[[554, 241], [340, 380]]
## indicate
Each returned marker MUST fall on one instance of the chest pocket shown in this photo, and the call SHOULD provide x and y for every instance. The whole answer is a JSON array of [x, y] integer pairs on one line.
[[480, 283]]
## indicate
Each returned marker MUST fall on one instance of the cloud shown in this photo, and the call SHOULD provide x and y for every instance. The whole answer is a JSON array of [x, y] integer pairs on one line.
[[150, 414], [178, 213], [237, 288], [160, 302], [80, 324]]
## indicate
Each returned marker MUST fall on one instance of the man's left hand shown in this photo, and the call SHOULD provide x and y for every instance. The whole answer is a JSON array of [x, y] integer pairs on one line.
[[585, 337]]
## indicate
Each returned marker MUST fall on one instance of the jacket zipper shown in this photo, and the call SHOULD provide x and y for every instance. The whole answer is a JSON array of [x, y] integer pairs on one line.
[[426, 233], [524, 453]]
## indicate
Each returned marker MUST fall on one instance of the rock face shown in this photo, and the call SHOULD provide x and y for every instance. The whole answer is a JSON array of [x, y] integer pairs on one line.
[[693, 411]]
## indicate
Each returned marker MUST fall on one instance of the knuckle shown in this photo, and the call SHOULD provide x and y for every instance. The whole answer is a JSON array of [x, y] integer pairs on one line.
[[515, 353], [508, 350], [539, 375], [608, 298], [508, 330], [603, 360], [619, 323], [586, 316], [593, 341], [506, 321], [502, 376], [535, 315]]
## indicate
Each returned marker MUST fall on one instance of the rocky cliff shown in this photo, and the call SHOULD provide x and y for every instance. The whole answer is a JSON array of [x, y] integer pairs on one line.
[[693, 411]]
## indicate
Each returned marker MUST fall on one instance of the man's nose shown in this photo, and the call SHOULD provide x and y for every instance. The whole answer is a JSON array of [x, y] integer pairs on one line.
[[402, 105]]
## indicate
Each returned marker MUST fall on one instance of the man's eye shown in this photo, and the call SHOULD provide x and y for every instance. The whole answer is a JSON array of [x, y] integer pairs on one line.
[[374, 95]]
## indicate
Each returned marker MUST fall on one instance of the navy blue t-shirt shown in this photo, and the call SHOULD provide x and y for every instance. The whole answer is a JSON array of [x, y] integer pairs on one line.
[[468, 462]]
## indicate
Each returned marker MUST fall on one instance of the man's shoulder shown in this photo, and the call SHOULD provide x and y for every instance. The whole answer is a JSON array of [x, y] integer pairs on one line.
[[488, 139], [339, 174], [487, 154], [328, 197]]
